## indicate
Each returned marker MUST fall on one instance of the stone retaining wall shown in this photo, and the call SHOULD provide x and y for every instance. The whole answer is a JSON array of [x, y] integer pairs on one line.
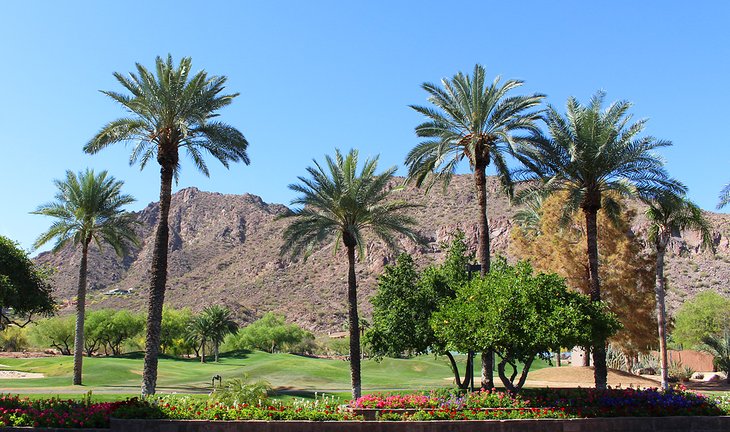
[[622, 424]]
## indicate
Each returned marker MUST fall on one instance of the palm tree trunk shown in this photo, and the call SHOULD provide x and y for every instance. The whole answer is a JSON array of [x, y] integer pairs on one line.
[[480, 179], [661, 314], [600, 371], [80, 314], [202, 351], [354, 324], [215, 351], [158, 281]]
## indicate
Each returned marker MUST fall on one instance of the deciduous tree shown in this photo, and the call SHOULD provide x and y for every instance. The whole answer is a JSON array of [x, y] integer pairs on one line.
[[558, 245], [520, 315]]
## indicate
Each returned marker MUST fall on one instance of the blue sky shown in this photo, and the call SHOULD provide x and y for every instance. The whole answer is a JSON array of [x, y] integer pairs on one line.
[[318, 75]]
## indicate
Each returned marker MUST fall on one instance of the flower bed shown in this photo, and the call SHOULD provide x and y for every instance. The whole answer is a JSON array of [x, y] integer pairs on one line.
[[15, 411], [557, 403], [436, 405], [186, 409]]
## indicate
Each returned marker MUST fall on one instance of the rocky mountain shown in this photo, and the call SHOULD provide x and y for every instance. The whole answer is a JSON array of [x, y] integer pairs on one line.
[[224, 249]]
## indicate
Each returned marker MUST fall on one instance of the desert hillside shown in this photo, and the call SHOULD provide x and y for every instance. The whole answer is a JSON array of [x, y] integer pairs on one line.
[[225, 249]]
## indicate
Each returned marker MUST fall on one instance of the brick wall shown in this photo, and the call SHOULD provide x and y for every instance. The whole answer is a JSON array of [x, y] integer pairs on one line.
[[623, 424]]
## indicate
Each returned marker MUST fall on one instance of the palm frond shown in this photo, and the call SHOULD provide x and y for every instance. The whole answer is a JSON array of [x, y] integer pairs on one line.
[[89, 206], [343, 199], [170, 109]]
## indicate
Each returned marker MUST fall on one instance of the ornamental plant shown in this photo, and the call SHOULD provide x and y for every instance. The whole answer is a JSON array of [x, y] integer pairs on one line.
[[520, 315]]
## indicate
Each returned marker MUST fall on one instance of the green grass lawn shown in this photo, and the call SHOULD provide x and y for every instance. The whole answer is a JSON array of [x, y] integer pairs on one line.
[[288, 374]]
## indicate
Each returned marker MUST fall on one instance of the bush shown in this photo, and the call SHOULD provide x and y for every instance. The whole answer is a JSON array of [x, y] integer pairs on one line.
[[173, 338], [679, 372], [239, 391], [270, 333], [707, 314], [57, 332], [13, 339]]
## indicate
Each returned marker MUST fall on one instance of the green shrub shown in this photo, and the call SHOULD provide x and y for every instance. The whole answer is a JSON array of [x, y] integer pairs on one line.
[[13, 339], [239, 391], [56, 332], [679, 372], [707, 314], [270, 333]]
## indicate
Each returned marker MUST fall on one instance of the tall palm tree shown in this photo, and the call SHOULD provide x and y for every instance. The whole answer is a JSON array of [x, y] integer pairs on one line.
[[474, 120], [221, 324], [88, 207], [338, 201], [169, 111], [669, 213], [594, 155]]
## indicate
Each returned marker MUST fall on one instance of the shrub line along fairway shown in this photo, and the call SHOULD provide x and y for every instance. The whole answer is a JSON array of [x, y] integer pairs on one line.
[[286, 373]]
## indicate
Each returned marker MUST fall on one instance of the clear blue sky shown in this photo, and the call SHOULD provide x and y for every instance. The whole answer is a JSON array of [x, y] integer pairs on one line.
[[318, 75]]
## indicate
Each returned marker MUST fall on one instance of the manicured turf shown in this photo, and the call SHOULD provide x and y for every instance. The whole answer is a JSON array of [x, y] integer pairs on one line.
[[285, 372]]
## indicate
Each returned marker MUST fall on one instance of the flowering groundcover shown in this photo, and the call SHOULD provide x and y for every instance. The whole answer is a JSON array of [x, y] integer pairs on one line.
[[556, 403], [15, 411], [434, 405]]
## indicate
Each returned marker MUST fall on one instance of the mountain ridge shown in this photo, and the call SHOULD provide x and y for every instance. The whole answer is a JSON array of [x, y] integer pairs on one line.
[[224, 249]]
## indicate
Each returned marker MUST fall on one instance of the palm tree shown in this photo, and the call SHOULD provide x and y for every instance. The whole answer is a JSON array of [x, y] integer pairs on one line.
[[88, 207], [199, 331], [169, 112], [594, 155], [719, 347], [342, 203], [221, 324], [529, 216], [669, 213], [724, 196], [472, 120]]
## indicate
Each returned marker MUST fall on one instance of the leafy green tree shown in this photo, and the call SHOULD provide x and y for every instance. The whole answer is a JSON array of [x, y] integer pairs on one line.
[[521, 316], [94, 330], [170, 110], [174, 327], [719, 347], [24, 287], [707, 314], [338, 201], [595, 155], [405, 301], [56, 332], [221, 325], [88, 207], [474, 120], [399, 306], [123, 326], [270, 333], [669, 213]]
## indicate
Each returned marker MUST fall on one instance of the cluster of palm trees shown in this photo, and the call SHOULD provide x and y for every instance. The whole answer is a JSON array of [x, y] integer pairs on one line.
[[212, 325], [591, 153]]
